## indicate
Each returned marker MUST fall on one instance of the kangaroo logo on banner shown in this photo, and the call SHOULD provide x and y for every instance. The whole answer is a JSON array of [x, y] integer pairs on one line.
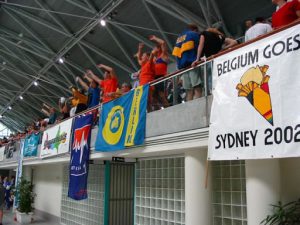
[[123, 121], [80, 152]]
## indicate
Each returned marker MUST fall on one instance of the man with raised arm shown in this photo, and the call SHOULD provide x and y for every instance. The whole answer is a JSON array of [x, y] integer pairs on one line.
[[109, 84], [161, 61], [92, 90]]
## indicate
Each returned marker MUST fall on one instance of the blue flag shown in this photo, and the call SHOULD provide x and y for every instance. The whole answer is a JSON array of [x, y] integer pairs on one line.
[[79, 160], [31, 145], [123, 121]]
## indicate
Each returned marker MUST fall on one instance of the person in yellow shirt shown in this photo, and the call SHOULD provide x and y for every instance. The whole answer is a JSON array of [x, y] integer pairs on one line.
[[78, 100]]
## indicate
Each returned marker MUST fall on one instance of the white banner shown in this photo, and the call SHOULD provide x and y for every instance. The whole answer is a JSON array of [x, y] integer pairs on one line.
[[2, 149], [256, 103], [56, 140]]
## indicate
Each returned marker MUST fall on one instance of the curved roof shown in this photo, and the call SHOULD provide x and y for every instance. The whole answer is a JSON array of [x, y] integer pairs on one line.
[[34, 34]]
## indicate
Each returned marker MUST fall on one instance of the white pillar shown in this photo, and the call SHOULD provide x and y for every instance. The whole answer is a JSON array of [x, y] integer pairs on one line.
[[263, 188], [197, 197]]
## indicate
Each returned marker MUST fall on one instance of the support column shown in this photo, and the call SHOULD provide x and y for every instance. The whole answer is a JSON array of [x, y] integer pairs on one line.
[[263, 188], [197, 198]]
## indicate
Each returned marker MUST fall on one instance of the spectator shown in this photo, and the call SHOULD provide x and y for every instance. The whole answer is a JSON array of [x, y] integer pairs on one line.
[[2, 201], [109, 84], [259, 28], [147, 73], [64, 108], [161, 61], [228, 42], [92, 90], [248, 24], [51, 113], [7, 187], [125, 88], [287, 13], [185, 51], [78, 101], [135, 79]]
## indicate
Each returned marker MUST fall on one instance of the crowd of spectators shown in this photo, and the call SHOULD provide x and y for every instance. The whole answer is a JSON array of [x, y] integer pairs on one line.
[[191, 47]]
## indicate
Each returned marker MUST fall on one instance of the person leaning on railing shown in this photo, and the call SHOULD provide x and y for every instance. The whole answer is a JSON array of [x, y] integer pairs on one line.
[[211, 42], [185, 52]]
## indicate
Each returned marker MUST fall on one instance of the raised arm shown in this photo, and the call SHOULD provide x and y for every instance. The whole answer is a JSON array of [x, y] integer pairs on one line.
[[162, 44], [91, 75], [109, 69], [82, 83], [200, 49], [140, 53], [85, 76]]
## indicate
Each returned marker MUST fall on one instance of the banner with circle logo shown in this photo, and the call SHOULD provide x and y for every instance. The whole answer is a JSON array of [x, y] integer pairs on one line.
[[255, 110], [123, 121], [56, 140]]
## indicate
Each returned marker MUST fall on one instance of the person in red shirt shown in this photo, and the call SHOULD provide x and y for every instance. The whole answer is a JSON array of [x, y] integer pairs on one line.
[[161, 60], [147, 72], [145, 60], [109, 84], [287, 13]]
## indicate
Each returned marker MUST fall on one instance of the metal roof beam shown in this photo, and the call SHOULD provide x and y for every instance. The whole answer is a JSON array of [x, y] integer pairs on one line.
[[186, 13], [204, 12], [167, 10], [157, 24], [120, 45], [90, 58], [63, 74], [91, 5], [81, 6], [108, 57], [54, 17], [134, 35], [24, 26], [38, 20]]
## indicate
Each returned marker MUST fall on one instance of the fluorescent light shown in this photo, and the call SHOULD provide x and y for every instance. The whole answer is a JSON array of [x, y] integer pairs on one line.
[[35, 83], [21, 97], [61, 60], [103, 23], [9, 107]]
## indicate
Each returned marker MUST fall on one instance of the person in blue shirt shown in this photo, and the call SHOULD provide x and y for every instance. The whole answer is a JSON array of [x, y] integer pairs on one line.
[[92, 89], [185, 52]]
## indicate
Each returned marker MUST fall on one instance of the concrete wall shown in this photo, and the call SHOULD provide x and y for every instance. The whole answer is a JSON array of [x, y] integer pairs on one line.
[[290, 179], [48, 188]]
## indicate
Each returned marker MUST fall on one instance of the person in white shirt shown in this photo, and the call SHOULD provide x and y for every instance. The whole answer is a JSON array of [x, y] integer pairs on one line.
[[258, 29]]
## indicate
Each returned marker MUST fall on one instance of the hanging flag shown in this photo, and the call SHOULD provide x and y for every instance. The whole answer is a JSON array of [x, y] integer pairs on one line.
[[80, 152], [123, 121], [31, 145], [56, 139], [19, 174]]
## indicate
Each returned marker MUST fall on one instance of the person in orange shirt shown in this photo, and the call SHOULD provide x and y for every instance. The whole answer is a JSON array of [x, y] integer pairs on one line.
[[109, 84], [161, 60], [147, 72]]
